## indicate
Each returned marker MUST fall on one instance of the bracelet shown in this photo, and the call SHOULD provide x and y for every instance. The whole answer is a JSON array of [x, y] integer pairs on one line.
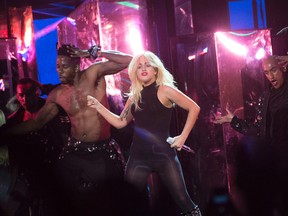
[[94, 51]]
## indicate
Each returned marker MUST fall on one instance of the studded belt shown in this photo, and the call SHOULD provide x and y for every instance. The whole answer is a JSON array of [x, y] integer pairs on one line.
[[108, 145]]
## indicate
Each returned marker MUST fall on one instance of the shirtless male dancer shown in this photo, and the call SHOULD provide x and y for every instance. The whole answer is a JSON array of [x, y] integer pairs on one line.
[[90, 156]]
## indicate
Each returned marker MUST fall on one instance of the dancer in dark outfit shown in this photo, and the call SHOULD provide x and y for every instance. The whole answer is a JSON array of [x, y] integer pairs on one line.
[[152, 96], [265, 142], [32, 156], [273, 100]]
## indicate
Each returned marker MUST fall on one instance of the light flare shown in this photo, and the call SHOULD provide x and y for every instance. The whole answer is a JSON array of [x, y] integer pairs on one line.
[[135, 39], [231, 45]]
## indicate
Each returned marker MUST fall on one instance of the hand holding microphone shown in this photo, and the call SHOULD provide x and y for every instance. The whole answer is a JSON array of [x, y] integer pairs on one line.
[[171, 140]]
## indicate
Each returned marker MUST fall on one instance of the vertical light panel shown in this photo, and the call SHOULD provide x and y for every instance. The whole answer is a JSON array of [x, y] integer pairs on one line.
[[241, 80]]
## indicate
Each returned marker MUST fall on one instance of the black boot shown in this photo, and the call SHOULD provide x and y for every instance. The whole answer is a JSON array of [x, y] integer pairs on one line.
[[194, 212]]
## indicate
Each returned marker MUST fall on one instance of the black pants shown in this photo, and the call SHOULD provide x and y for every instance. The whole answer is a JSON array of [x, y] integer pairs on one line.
[[83, 173]]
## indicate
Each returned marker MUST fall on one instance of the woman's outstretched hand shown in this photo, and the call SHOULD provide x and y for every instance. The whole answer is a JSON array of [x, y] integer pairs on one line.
[[92, 102]]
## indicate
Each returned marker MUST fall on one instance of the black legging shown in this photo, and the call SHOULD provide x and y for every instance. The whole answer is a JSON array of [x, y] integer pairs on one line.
[[170, 172]]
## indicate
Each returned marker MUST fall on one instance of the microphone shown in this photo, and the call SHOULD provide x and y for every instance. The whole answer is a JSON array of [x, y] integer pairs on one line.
[[171, 140]]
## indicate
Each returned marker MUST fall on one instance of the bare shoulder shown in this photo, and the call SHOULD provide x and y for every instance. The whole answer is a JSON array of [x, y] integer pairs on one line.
[[52, 96], [165, 95], [172, 94], [166, 89]]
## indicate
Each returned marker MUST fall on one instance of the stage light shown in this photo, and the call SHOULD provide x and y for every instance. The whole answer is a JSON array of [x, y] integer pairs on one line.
[[71, 21], [192, 57], [129, 4], [24, 54], [260, 54], [232, 45], [205, 50], [47, 29], [2, 85]]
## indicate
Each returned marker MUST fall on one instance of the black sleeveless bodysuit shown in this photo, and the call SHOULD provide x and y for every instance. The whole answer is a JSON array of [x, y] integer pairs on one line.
[[152, 125], [150, 153]]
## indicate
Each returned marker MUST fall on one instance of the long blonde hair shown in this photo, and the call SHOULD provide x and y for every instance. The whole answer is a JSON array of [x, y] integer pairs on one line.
[[163, 77]]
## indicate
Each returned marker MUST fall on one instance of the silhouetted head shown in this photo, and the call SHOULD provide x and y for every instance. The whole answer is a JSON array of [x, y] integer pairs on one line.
[[28, 93]]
